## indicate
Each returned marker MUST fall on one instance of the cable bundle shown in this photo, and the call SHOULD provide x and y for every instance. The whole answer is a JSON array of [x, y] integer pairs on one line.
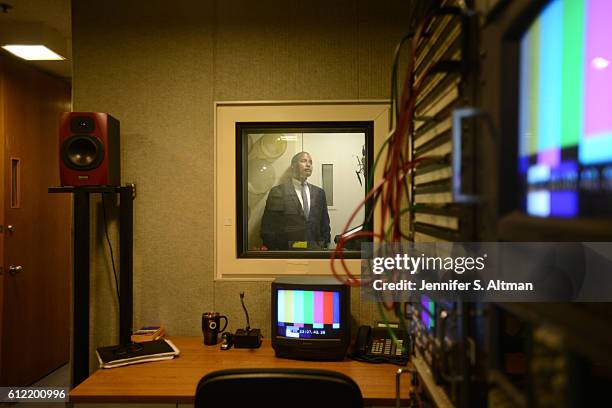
[[387, 193]]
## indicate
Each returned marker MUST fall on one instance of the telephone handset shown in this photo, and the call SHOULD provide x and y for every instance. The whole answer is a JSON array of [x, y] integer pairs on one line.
[[375, 345]]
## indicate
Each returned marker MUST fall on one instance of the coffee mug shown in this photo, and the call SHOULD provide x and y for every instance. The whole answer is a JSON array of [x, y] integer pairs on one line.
[[210, 327]]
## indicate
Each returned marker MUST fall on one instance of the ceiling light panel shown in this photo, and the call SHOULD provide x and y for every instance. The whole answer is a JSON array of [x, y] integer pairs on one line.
[[33, 52]]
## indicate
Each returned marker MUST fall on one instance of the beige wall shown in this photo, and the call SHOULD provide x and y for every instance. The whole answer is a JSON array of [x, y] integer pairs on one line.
[[158, 67]]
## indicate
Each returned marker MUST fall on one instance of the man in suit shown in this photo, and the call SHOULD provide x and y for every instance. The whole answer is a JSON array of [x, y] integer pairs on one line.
[[296, 214]]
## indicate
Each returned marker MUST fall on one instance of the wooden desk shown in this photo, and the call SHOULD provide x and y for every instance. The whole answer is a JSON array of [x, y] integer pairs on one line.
[[174, 381]]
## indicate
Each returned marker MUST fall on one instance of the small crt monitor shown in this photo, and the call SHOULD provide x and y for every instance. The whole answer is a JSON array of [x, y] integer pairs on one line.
[[310, 318]]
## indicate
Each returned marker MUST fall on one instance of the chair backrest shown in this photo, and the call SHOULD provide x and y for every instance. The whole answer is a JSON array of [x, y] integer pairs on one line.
[[271, 387]]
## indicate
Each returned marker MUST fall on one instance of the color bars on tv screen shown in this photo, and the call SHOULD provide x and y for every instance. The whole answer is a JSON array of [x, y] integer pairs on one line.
[[316, 308]]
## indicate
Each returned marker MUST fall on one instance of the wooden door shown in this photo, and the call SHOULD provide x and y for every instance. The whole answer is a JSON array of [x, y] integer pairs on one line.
[[35, 297]]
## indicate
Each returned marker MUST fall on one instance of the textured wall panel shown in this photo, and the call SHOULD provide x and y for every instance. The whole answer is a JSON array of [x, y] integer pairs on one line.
[[272, 52]]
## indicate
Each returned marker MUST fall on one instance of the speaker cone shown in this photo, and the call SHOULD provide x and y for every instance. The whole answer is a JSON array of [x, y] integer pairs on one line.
[[82, 152]]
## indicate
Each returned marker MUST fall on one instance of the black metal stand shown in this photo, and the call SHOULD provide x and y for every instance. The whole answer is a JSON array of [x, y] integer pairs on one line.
[[80, 348]]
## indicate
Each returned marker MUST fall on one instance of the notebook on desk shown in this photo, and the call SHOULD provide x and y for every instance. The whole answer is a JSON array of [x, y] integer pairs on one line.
[[117, 356]]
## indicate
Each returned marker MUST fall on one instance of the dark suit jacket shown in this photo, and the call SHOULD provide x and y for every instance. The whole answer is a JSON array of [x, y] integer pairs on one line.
[[283, 220]]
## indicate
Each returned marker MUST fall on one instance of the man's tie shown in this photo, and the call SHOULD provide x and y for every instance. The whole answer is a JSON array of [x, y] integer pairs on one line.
[[305, 201]]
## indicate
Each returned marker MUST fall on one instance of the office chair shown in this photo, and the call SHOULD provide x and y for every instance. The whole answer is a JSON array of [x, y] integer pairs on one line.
[[271, 387]]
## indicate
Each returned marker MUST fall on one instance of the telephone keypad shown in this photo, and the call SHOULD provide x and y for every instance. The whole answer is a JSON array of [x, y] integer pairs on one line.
[[377, 346], [387, 347]]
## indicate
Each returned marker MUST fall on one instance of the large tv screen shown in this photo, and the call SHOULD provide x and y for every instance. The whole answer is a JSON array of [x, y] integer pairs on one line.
[[565, 111]]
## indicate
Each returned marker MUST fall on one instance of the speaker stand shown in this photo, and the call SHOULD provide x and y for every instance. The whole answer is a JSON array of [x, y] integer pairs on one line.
[[80, 284]]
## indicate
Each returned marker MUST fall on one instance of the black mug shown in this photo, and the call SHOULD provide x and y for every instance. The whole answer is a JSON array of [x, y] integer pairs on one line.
[[210, 327]]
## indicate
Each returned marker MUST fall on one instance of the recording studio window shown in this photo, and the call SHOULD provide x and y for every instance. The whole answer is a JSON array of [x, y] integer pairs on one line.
[[255, 143], [297, 186]]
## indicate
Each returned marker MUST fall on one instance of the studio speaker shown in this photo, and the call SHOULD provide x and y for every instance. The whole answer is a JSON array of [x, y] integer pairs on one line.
[[89, 149]]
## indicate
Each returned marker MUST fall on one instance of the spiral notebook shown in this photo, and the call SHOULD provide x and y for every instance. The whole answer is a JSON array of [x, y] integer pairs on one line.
[[117, 356]]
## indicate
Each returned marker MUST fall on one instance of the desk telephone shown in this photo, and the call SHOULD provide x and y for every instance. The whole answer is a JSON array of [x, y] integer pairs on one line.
[[375, 345]]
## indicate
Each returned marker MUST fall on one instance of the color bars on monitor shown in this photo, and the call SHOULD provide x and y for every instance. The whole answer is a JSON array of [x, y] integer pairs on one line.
[[566, 82], [565, 97], [316, 308]]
